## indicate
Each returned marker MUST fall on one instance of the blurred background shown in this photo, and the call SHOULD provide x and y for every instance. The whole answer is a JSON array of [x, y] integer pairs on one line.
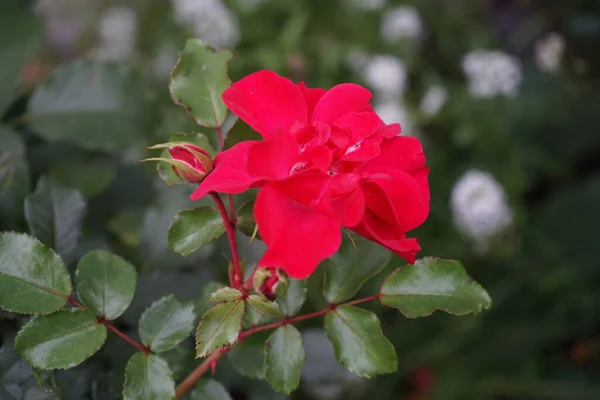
[[504, 95]]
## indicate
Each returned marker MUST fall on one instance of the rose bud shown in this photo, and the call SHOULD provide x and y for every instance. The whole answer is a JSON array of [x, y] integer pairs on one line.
[[190, 162], [270, 282]]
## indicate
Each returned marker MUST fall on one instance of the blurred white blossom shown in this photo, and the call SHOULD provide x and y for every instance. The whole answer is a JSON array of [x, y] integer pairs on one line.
[[371, 5], [401, 23], [549, 51], [434, 99], [385, 74], [492, 72], [479, 207], [210, 20], [117, 34], [164, 62], [65, 21], [392, 112]]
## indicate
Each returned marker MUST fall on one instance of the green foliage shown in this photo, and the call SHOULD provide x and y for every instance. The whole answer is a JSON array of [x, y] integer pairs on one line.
[[433, 284], [60, 340], [240, 132], [148, 377], [33, 279], [245, 219], [193, 228], [105, 283], [54, 214], [294, 298], [209, 389], [359, 343], [225, 294], [92, 105], [16, 22], [219, 327], [284, 356], [263, 306], [166, 323], [12, 196], [199, 80], [247, 357], [347, 270]]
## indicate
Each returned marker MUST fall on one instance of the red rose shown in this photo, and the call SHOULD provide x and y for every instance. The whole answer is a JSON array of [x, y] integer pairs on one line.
[[327, 161]]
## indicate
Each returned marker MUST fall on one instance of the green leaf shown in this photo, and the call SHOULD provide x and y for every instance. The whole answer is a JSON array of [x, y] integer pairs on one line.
[[294, 298], [12, 199], [91, 104], [148, 377], [209, 389], [7, 170], [193, 228], [33, 279], [219, 327], [284, 357], [105, 283], [165, 171], [245, 219], [348, 269], [433, 284], [198, 81], [54, 214], [166, 323], [60, 340], [201, 304], [240, 132], [358, 342], [90, 177], [263, 306], [247, 357], [16, 22], [254, 318], [225, 294]]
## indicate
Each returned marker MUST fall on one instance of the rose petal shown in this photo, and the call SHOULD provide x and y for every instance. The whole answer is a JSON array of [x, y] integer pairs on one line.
[[396, 197], [340, 100], [360, 124], [311, 97], [400, 152], [374, 228], [273, 158], [297, 237], [266, 102], [230, 174]]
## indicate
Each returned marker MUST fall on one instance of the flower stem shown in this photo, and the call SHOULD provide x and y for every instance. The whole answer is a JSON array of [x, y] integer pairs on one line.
[[197, 373], [237, 280], [184, 387], [112, 328], [221, 140]]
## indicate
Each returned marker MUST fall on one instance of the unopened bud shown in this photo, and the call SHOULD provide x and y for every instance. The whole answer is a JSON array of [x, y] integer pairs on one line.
[[190, 162], [270, 282]]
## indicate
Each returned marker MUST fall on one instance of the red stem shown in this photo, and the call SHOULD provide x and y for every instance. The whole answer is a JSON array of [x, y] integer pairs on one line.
[[112, 328], [237, 280], [196, 374]]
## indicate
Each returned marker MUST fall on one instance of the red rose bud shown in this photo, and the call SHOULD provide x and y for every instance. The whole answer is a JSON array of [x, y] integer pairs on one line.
[[190, 162], [198, 163], [270, 282]]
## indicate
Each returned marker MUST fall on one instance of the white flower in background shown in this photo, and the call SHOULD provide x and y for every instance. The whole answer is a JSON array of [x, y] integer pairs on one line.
[[401, 23], [479, 207], [371, 5], [65, 21], [393, 112], [434, 99], [386, 75], [549, 52], [117, 34], [164, 62], [210, 20], [492, 72]]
